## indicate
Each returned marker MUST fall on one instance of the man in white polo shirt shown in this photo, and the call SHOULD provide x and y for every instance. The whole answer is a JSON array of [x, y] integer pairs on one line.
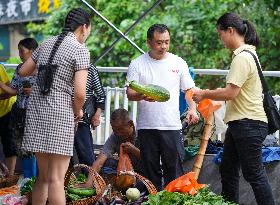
[[158, 123]]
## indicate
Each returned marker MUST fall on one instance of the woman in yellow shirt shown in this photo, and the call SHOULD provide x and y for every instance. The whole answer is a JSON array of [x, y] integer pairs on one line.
[[245, 115], [9, 144]]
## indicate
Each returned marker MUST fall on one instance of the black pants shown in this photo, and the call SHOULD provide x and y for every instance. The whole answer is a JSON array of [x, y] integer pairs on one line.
[[165, 146], [7, 139], [17, 125], [84, 144], [243, 148]]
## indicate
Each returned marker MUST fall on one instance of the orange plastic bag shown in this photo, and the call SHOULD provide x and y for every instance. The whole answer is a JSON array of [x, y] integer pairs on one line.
[[125, 174], [185, 184], [206, 106]]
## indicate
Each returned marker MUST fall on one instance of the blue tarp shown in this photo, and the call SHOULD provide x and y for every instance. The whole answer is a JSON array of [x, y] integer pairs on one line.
[[182, 101], [269, 154]]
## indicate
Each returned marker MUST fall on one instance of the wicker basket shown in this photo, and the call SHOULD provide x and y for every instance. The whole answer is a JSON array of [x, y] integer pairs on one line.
[[110, 179], [98, 183], [9, 181], [149, 185]]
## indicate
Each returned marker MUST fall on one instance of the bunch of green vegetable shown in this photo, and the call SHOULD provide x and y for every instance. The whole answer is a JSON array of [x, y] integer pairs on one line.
[[79, 193], [203, 197], [81, 178], [27, 187]]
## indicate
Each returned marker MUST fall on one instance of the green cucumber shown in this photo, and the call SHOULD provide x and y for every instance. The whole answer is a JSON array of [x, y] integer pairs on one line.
[[81, 191], [74, 197], [155, 92]]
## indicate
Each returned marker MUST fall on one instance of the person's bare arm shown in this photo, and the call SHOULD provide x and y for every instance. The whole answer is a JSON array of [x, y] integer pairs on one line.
[[96, 166], [99, 162], [191, 117], [132, 149], [220, 94], [27, 91], [95, 120], [28, 68], [7, 89], [80, 80]]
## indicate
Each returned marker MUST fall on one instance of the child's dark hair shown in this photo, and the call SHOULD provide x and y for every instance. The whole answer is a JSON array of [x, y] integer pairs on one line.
[[29, 43], [121, 115], [74, 19], [160, 28], [243, 27]]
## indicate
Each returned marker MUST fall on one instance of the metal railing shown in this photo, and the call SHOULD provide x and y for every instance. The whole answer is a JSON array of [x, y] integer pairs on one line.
[[196, 71], [116, 98]]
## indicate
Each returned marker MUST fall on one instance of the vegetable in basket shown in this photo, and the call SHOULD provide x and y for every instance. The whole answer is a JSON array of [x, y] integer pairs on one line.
[[79, 193], [132, 194], [82, 192]]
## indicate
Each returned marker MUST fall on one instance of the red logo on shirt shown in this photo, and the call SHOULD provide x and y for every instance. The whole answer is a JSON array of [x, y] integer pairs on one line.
[[175, 71]]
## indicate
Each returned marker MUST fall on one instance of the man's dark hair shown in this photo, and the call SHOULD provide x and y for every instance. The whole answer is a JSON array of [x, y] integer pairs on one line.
[[160, 28], [120, 115], [29, 43]]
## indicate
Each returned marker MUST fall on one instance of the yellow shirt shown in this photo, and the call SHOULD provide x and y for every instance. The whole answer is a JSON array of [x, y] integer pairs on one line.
[[5, 105], [244, 74]]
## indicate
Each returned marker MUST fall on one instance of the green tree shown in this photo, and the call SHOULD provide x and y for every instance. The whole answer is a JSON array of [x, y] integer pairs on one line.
[[193, 32]]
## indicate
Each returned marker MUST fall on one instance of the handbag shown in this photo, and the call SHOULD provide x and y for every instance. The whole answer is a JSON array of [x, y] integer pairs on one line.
[[46, 72], [269, 104], [89, 108], [45, 77]]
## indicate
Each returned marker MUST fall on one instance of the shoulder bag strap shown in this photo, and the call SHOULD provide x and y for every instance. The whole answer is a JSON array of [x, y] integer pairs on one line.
[[264, 85]]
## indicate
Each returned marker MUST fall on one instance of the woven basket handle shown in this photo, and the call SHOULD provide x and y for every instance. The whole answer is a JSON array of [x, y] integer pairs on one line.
[[149, 185], [98, 182]]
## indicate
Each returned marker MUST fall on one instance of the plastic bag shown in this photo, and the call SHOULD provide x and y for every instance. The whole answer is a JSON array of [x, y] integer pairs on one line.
[[12, 200], [125, 174], [205, 106], [185, 184]]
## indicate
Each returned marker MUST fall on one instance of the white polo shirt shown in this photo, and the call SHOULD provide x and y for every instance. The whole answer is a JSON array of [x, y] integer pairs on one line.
[[171, 73]]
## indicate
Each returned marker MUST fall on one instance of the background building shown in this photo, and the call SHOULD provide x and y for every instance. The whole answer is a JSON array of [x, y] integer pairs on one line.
[[14, 15]]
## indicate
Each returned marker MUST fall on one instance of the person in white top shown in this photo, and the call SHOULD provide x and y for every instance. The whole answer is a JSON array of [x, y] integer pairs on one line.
[[158, 123]]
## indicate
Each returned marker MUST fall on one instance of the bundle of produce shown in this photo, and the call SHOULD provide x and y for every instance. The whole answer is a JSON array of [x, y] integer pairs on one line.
[[132, 197], [156, 92], [27, 187], [75, 193], [203, 196], [79, 193], [9, 190]]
